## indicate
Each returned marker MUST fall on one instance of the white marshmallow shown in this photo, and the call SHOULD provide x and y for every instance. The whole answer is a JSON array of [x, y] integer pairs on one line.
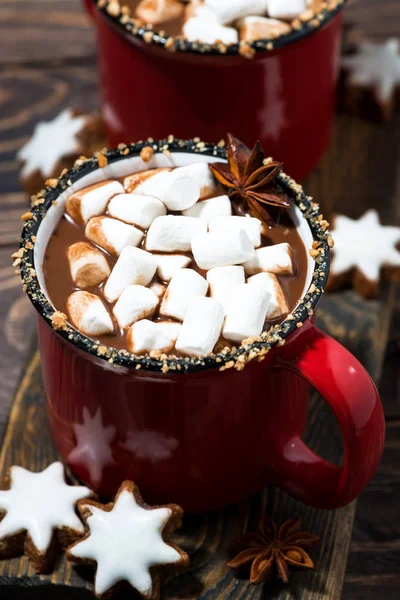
[[92, 200], [227, 11], [136, 210], [158, 288], [271, 259], [286, 9], [245, 312], [229, 246], [154, 12], [87, 264], [169, 264], [220, 280], [134, 267], [146, 336], [131, 182], [177, 189], [278, 305], [173, 233], [213, 207], [251, 226], [88, 314], [203, 176], [201, 327], [112, 235], [198, 29], [135, 303], [184, 286], [259, 28]]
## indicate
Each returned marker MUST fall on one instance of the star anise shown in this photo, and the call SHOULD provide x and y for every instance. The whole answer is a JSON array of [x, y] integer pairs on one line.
[[275, 549], [250, 181]]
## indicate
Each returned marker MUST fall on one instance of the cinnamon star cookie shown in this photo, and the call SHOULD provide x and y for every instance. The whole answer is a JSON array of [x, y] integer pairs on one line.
[[128, 541], [363, 249], [40, 514]]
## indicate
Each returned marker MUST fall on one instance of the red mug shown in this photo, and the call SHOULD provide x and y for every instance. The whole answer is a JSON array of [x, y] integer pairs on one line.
[[285, 97], [202, 433]]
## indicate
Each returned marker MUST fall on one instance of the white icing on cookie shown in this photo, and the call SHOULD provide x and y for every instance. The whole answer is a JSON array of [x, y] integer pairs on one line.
[[39, 503], [50, 142], [92, 448], [376, 66], [364, 244], [125, 542]]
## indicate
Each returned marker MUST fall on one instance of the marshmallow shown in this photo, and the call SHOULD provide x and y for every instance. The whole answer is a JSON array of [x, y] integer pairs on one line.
[[225, 246], [245, 312], [136, 302], [271, 259], [88, 314], [203, 176], [169, 264], [209, 32], [112, 235], [259, 28], [92, 200], [154, 12], [158, 288], [213, 207], [227, 11], [278, 305], [201, 327], [286, 9], [134, 267], [146, 336], [184, 286], [173, 233], [87, 264], [136, 210], [131, 182], [220, 279], [250, 225]]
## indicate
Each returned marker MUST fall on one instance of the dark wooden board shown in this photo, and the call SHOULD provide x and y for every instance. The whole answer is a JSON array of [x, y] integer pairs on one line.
[[209, 538]]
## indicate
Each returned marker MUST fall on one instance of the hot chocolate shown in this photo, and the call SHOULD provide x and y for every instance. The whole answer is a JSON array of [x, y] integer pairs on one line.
[[165, 261]]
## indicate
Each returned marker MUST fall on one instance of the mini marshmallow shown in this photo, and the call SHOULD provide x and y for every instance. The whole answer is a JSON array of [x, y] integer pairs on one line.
[[169, 264], [158, 288], [146, 336], [112, 235], [92, 200], [131, 182], [259, 28], [227, 11], [134, 267], [184, 286], [271, 259], [135, 303], [251, 226], [213, 207], [226, 246], [88, 314], [154, 12], [245, 312], [177, 189], [278, 305], [209, 32], [88, 266], [136, 210], [173, 233], [203, 176], [286, 9], [220, 280], [201, 327]]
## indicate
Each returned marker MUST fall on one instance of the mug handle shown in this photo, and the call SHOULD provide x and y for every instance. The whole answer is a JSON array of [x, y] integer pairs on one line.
[[351, 394]]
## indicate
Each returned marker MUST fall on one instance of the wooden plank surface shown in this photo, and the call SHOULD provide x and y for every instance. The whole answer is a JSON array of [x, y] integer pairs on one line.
[[41, 74]]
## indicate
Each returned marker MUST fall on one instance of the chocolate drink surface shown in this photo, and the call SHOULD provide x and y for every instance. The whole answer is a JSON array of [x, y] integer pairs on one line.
[[199, 265]]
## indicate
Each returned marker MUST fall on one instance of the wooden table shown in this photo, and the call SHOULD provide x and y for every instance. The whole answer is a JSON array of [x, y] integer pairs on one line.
[[47, 62]]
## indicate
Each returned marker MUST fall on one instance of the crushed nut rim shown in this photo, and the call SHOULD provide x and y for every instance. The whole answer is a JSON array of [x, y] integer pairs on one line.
[[237, 357], [114, 11]]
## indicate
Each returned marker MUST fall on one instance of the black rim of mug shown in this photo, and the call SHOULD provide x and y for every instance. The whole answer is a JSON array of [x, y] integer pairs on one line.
[[242, 354]]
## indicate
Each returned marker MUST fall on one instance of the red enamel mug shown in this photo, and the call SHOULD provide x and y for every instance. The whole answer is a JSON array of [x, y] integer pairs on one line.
[[202, 433], [285, 97]]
